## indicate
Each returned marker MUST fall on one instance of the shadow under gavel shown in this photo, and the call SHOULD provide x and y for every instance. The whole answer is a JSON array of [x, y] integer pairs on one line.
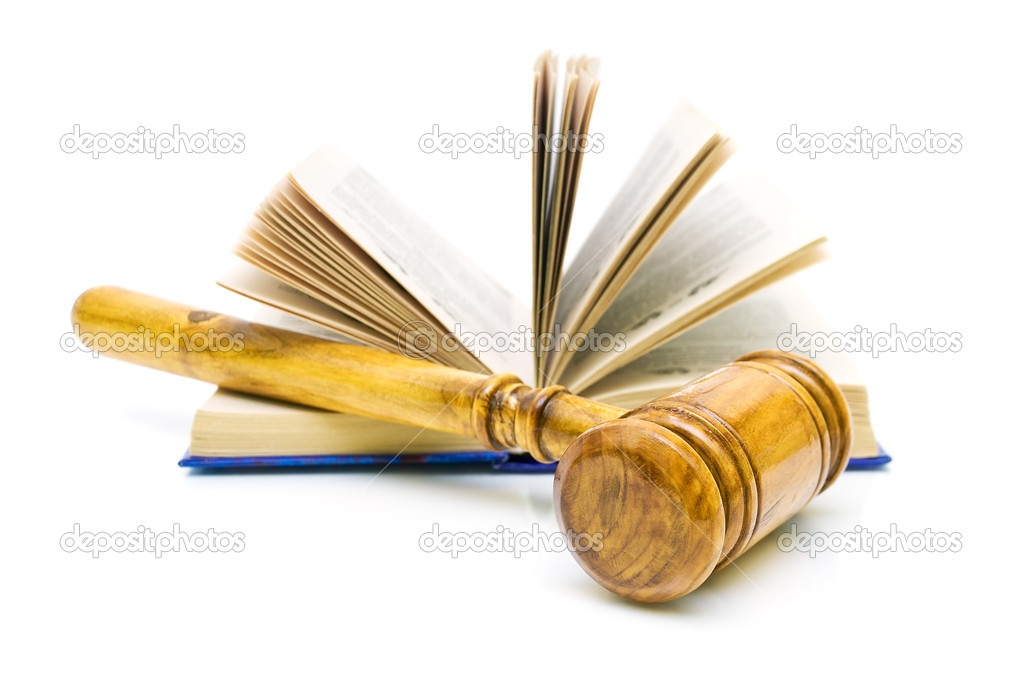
[[671, 490]]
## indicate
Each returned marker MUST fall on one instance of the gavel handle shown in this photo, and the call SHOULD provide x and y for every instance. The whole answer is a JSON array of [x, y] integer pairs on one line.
[[499, 410]]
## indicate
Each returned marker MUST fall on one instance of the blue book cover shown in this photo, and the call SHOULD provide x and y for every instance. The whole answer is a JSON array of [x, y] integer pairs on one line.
[[504, 462]]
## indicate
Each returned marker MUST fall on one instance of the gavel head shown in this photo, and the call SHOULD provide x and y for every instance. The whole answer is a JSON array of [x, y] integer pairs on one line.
[[685, 484]]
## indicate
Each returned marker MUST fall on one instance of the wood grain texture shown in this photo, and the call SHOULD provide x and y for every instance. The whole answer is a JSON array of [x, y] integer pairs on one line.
[[755, 440], [673, 489]]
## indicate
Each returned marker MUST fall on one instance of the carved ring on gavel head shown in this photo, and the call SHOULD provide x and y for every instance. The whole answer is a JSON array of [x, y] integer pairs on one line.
[[672, 490]]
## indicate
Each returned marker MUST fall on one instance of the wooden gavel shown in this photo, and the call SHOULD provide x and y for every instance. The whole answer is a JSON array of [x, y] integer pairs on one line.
[[672, 490]]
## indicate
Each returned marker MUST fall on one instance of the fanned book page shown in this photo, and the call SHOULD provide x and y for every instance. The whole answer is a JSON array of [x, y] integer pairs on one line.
[[738, 235], [557, 165], [760, 321], [682, 157], [333, 234]]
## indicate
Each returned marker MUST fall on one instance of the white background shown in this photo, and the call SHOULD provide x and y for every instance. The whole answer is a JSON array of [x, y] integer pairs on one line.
[[331, 581]]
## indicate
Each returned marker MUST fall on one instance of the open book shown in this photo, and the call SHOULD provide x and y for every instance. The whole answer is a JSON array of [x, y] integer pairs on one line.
[[686, 237]]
